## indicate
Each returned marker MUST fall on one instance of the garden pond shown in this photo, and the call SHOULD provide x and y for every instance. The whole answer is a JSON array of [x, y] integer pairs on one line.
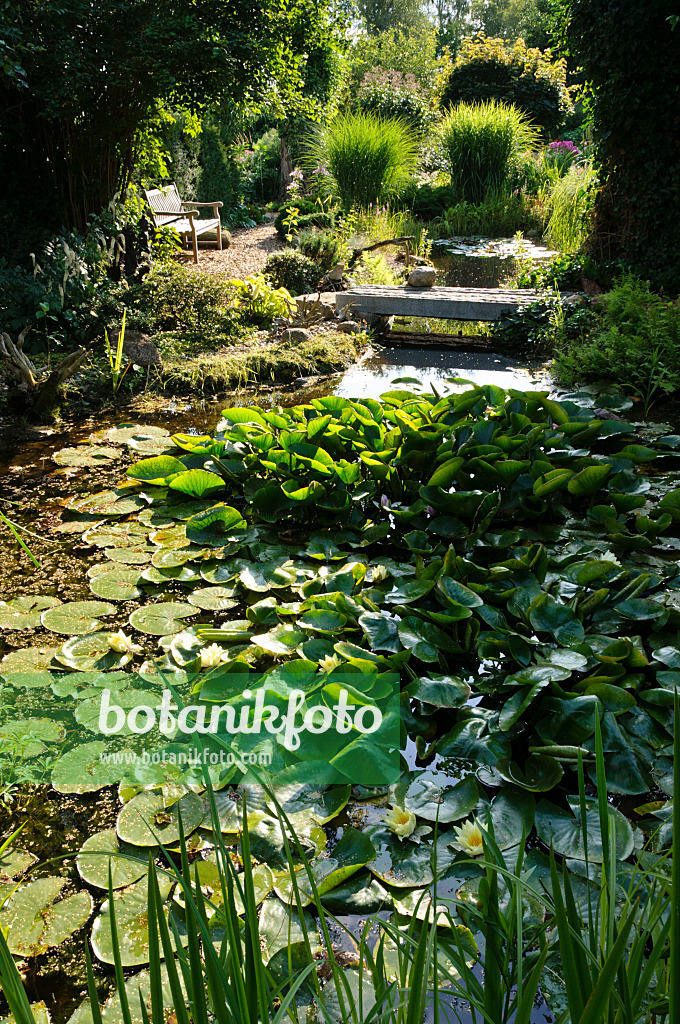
[[478, 262], [511, 558]]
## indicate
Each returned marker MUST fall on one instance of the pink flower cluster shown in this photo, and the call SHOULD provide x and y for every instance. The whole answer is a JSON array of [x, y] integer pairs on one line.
[[564, 147]]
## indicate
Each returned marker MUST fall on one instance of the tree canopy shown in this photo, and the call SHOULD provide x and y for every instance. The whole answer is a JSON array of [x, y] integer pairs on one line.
[[80, 81]]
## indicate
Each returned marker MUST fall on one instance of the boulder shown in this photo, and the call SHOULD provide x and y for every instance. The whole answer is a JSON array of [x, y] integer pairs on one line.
[[350, 327], [293, 335], [422, 277], [140, 349], [337, 273]]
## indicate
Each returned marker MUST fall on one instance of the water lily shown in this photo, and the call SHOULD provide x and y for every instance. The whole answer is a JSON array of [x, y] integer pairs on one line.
[[379, 572], [469, 836], [211, 656], [400, 820], [609, 556], [329, 662], [122, 643]]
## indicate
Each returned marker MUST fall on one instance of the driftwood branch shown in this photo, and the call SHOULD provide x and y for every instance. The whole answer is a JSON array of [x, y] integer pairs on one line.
[[18, 362], [401, 240], [38, 392]]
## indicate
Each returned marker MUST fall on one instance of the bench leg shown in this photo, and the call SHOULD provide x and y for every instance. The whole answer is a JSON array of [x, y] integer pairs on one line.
[[194, 239], [219, 233]]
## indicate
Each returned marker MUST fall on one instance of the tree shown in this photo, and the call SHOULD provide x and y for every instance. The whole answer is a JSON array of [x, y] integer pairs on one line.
[[514, 19], [381, 15], [81, 81], [629, 55]]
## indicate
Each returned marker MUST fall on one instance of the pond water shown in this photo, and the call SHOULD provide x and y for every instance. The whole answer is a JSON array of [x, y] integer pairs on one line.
[[474, 261]]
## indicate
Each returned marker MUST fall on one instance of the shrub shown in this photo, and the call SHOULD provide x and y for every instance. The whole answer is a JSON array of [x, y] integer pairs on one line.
[[427, 201], [368, 158], [634, 346], [392, 94], [479, 140], [571, 201], [322, 247], [373, 269], [291, 270], [261, 166], [310, 216], [498, 215], [486, 69]]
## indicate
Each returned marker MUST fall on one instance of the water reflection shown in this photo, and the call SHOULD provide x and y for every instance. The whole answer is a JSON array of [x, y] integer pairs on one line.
[[374, 374]]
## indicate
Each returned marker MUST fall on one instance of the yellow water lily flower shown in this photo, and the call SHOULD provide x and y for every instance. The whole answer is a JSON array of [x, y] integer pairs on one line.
[[122, 643], [211, 656], [400, 820], [469, 836], [329, 662]]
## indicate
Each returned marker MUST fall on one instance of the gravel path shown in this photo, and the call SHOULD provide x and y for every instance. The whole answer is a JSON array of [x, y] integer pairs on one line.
[[246, 255]]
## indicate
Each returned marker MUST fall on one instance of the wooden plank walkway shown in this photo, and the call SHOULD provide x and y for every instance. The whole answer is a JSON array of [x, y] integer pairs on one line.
[[437, 302]]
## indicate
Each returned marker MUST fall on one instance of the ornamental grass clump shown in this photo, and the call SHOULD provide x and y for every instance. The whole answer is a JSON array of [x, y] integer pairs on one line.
[[369, 158], [479, 140]]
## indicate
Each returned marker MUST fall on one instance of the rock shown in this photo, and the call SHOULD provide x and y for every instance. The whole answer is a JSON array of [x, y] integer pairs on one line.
[[422, 277], [140, 349], [296, 335], [350, 327], [533, 233], [337, 273], [417, 261]]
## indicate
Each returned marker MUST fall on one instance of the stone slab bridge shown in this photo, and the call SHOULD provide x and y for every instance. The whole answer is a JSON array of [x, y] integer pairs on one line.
[[438, 303]]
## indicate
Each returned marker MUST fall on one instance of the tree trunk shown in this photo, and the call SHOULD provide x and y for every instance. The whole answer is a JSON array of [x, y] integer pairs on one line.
[[285, 172]]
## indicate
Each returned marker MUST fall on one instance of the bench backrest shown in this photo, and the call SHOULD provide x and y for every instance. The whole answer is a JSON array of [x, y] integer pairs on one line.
[[165, 203]]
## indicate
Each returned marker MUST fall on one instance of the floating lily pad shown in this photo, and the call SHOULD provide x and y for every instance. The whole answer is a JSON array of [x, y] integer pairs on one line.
[[132, 925], [213, 599], [91, 653], [399, 862], [37, 920], [215, 526], [24, 612], [29, 659], [87, 455], [163, 618], [318, 802], [129, 556], [117, 535], [146, 821], [280, 926], [117, 585], [76, 617], [438, 803], [101, 851], [14, 862], [564, 830], [82, 770], [27, 737]]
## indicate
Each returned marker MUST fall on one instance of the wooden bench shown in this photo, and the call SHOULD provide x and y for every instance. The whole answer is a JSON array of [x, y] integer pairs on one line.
[[438, 303], [168, 209]]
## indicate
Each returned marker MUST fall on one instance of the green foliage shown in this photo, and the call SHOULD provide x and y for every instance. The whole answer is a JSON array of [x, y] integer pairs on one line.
[[634, 344], [260, 165], [381, 15], [427, 201], [515, 19], [74, 125], [324, 248], [372, 268], [292, 270], [487, 69], [413, 52], [571, 201], [545, 327], [479, 141], [628, 54], [369, 158], [496, 216], [260, 300], [390, 94], [311, 215]]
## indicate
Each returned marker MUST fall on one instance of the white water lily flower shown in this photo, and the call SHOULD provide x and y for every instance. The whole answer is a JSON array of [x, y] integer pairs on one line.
[[122, 643], [329, 662], [400, 820], [211, 656], [469, 836], [609, 556], [379, 572]]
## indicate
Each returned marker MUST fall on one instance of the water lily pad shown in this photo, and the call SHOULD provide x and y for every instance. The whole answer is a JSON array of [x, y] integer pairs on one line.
[[439, 803], [15, 862], [26, 737], [87, 455], [76, 617], [37, 920], [198, 483], [399, 862], [117, 535], [91, 653], [213, 599], [103, 850], [28, 659], [24, 612], [280, 926], [129, 556], [215, 526], [117, 585], [563, 829], [163, 618], [132, 925], [82, 770], [159, 470], [146, 821], [318, 802]]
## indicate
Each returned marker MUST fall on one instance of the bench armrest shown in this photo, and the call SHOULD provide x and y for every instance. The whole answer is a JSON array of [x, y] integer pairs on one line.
[[192, 203]]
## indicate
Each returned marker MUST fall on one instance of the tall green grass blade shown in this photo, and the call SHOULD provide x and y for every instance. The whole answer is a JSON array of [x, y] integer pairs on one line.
[[118, 964], [674, 988], [12, 986]]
